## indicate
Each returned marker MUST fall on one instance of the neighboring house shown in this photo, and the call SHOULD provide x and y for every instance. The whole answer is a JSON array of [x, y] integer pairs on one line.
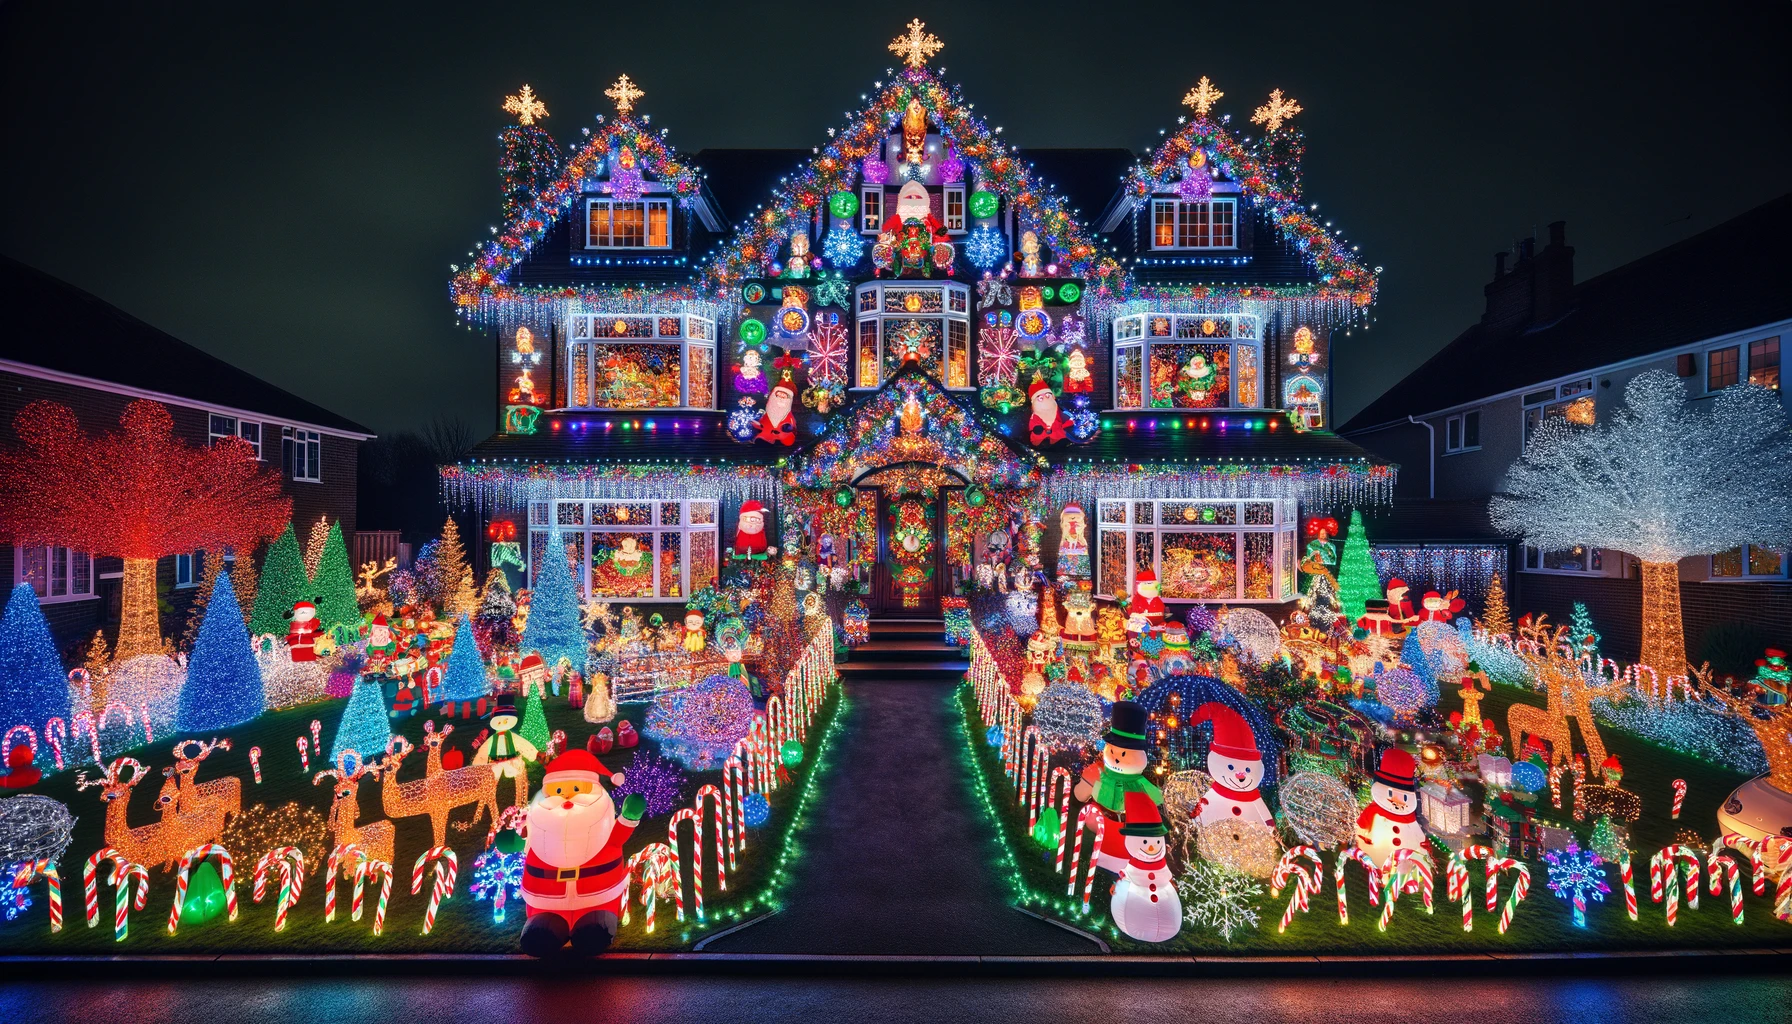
[[903, 277], [1715, 309], [67, 346]]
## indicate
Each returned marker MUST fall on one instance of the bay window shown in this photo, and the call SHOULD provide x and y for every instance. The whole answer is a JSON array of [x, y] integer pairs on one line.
[[1220, 550], [1195, 361], [641, 361], [640, 549], [925, 324], [1577, 559]]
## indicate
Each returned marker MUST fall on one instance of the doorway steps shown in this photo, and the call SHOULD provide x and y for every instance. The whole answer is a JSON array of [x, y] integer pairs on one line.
[[906, 649]]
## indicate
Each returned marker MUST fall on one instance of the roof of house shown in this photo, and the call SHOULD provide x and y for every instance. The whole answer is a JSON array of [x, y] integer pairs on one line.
[[56, 326], [1719, 281]]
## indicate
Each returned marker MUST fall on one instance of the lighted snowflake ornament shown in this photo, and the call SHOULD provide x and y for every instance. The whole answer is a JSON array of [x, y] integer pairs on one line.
[[985, 247], [843, 247], [1575, 874], [827, 350], [1218, 898]]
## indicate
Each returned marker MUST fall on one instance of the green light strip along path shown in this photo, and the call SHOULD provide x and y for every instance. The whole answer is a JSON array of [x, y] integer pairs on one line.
[[897, 853]]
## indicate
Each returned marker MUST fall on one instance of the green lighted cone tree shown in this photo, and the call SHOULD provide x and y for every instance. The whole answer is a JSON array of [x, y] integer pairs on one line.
[[1358, 583], [535, 721], [1582, 632], [335, 584], [554, 628], [283, 581], [1660, 481]]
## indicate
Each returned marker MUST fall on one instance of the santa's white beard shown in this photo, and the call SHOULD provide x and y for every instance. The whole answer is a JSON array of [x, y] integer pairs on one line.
[[1147, 591], [568, 837], [777, 407]]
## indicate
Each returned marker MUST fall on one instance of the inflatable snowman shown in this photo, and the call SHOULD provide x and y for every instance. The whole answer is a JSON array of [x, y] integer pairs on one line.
[[1145, 905], [1236, 767], [1391, 821]]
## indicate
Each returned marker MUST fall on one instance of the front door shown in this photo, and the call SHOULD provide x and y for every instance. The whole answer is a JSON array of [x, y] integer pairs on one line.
[[909, 553]]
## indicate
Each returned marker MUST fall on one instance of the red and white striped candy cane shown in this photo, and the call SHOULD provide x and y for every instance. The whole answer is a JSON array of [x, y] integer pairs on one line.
[[291, 863], [1345, 856], [317, 735], [1664, 882], [1624, 872], [332, 869], [432, 681], [123, 904], [90, 887], [379, 911], [1716, 866], [26, 871], [1520, 888], [1555, 785], [447, 868], [688, 814], [1090, 813], [734, 788], [1456, 883], [304, 754], [1060, 784], [1757, 871], [654, 862], [1679, 798], [724, 818], [1779, 852], [56, 735], [1406, 871], [30, 738], [255, 763], [1308, 880]]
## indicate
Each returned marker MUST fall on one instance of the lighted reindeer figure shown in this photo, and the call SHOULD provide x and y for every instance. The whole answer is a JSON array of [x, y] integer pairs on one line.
[[224, 794], [438, 793], [166, 841], [367, 588], [373, 839], [1552, 658]]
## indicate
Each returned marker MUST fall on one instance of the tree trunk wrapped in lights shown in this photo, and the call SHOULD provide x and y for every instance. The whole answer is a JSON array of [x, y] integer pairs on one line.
[[139, 493], [1661, 481]]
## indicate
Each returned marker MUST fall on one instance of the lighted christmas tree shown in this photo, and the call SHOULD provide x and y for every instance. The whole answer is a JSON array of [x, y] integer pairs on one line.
[[535, 721], [529, 159], [458, 596], [334, 584], [1581, 632], [211, 566], [33, 689], [99, 656], [283, 581], [463, 678], [364, 726], [1358, 583], [314, 545], [494, 625], [223, 686], [1606, 840], [554, 628], [1495, 618]]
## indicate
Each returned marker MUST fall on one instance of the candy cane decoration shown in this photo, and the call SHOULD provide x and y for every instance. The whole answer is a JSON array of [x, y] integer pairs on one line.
[[56, 735], [1520, 889], [85, 719], [447, 867], [356, 902], [379, 912], [1456, 885], [1664, 882], [255, 763], [123, 868], [124, 904], [1782, 869], [317, 735], [43, 868], [291, 862], [734, 787], [225, 878], [557, 743], [1406, 871], [688, 814], [1060, 775], [332, 869], [1679, 798], [1757, 871], [1090, 813], [724, 817], [30, 736], [432, 681], [1308, 881], [122, 711], [1555, 785], [654, 861], [1716, 866], [1345, 856], [1629, 884], [149, 732], [304, 755]]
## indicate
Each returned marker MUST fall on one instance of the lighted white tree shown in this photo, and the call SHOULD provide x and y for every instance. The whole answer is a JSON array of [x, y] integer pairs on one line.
[[1660, 480]]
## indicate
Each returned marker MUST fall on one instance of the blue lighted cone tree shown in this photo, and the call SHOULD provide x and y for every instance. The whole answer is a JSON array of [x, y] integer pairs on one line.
[[1660, 481], [364, 726], [223, 686], [1358, 582], [283, 581], [33, 689], [334, 586], [555, 629], [464, 676]]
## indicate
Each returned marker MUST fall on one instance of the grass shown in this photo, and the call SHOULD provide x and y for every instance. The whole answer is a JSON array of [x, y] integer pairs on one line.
[[463, 925], [1542, 923]]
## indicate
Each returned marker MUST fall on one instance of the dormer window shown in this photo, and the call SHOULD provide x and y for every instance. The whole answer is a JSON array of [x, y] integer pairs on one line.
[[1187, 361], [1209, 224], [618, 224]]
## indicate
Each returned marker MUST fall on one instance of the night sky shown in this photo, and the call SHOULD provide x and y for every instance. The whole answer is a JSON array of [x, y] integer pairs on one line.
[[286, 184]]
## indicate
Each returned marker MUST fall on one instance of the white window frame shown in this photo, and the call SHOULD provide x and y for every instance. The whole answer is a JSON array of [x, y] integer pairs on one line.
[[871, 209], [1747, 574], [220, 426], [955, 223], [1284, 556], [302, 452], [1178, 208], [647, 203], [587, 331], [1131, 333], [955, 305], [50, 555], [186, 570], [1532, 557], [1550, 401], [1456, 432], [544, 514]]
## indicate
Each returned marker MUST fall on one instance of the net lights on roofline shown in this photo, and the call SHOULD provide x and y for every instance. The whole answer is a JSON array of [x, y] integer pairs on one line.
[[648, 425], [1222, 423]]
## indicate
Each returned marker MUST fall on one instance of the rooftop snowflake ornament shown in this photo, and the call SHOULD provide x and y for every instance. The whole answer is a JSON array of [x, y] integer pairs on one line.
[[1218, 898], [985, 247], [1575, 874], [1661, 481], [843, 247]]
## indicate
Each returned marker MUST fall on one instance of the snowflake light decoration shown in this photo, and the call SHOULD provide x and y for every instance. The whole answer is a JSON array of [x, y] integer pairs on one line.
[[525, 105], [843, 247], [1575, 874], [1218, 898], [1069, 718], [827, 351], [1202, 97], [497, 876], [917, 46], [998, 349], [1277, 110], [1320, 808], [985, 247], [743, 422]]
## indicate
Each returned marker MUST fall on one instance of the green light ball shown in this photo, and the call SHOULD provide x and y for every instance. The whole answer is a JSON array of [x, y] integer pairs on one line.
[[975, 497], [791, 753], [1045, 831], [843, 204], [843, 497], [1070, 291], [984, 204], [752, 331]]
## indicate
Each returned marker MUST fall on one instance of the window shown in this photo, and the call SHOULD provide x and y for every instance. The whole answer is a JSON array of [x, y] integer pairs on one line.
[[1204, 225], [1764, 362], [641, 549], [1201, 549], [1749, 562], [954, 205], [55, 574], [615, 224], [1203, 361], [923, 322], [187, 569], [301, 453], [1572, 401], [634, 361], [1462, 433], [1722, 368], [229, 426], [871, 208], [1575, 559]]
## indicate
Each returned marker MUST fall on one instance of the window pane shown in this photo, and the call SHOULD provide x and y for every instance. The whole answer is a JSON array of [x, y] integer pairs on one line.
[[621, 513], [83, 578], [578, 392], [1129, 377], [703, 558], [1112, 564], [34, 568], [659, 225], [1764, 362], [570, 513], [867, 361], [1163, 224], [958, 354], [703, 513], [1453, 434], [871, 208], [1143, 512], [1763, 561], [58, 572], [702, 361], [1721, 367], [598, 227], [1259, 565], [1144, 555], [635, 376], [1471, 430], [1247, 377], [1574, 559], [671, 561], [1727, 564], [955, 209], [622, 564], [1260, 513], [1195, 513], [1190, 376], [1199, 566], [1222, 225], [670, 513]]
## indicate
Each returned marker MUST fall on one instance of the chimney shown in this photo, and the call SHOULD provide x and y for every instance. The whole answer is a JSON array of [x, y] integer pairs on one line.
[[1509, 293], [1553, 286], [1499, 265]]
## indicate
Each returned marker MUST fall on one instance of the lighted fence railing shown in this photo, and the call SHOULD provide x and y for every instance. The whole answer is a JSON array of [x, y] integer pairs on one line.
[[1025, 760]]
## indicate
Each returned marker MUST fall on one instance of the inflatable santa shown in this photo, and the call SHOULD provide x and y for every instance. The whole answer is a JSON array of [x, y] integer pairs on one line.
[[1236, 767], [1391, 821], [1146, 609], [749, 533], [574, 873], [1047, 425], [301, 632], [1436, 607], [1122, 771], [777, 424], [1145, 904]]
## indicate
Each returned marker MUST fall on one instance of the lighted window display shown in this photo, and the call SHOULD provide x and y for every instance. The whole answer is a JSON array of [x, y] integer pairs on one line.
[[641, 362], [1194, 361], [651, 550], [614, 224], [1750, 561], [1575, 559], [1575, 404], [1207, 224], [925, 325], [1201, 550]]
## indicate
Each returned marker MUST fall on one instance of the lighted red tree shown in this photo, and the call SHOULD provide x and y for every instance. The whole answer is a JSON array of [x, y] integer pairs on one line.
[[138, 493]]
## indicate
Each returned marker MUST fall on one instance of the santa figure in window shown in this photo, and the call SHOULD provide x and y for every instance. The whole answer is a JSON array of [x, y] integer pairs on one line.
[[777, 425], [1146, 610], [302, 631], [1047, 425], [912, 238], [1436, 607], [749, 534]]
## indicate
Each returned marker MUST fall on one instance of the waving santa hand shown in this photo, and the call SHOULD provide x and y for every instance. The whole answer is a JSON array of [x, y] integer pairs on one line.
[[574, 874]]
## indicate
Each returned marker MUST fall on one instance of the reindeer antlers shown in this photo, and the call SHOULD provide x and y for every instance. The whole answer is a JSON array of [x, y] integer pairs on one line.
[[205, 748], [112, 773], [397, 747]]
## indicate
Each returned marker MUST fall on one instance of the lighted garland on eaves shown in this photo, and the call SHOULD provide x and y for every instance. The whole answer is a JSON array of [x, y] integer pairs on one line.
[[1320, 483], [506, 485]]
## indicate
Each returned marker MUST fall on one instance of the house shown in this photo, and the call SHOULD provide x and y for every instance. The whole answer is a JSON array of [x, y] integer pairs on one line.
[[906, 346], [65, 345], [1712, 309]]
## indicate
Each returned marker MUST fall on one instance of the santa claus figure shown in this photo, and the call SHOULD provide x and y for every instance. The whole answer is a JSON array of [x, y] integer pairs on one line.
[[777, 424], [1146, 609], [1145, 904], [302, 631], [1391, 821], [380, 640], [1391, 616], [1046, 425], [532, 673], [1436, 607], [1079, 615], [749, 534], [694, 637], [1121, 772], [574, 873], [1077, 379], [1236, 767]]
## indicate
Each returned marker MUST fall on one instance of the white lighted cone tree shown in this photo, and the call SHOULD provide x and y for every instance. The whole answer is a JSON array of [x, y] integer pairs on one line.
[[1660, 480]]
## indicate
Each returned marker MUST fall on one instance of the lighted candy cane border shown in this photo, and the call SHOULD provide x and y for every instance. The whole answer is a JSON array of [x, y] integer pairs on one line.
[[655, 862], [447, 869], [1456, 885], [123, 870], [56, 735], [291, 863], [1035, 763], [1664, 882], [226, 877], [25, 872], [364, 867], [30, 737], [1406, 871], [1308, 881], [1090, 813], [1717, 864], [1061, 785], [1371, 873]]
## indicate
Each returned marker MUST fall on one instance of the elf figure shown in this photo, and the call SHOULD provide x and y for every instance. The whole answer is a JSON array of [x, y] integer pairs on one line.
[[574, 872], [1145, 904], [505, 750], [777, 424], [1046, 425], [694, 638], [301, 632], [381, 643], [1122, 771], [1391, 821], [749, 534], [1146, 610], [1236, 767]]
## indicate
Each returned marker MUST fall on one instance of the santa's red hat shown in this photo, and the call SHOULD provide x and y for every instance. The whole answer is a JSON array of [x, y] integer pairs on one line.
[[380, 619], [304, 605], [1397, 586], [531, 662], [1232, 735], [1144, 576], [579, 765], [1036, 387], [751, 506], [784, 385], [1397, 769]]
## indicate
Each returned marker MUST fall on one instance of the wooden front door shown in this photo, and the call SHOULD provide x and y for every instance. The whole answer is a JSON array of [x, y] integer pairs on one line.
[[911, 554]]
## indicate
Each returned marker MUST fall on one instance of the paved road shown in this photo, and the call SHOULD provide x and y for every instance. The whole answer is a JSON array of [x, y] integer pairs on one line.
[[899, 859]]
